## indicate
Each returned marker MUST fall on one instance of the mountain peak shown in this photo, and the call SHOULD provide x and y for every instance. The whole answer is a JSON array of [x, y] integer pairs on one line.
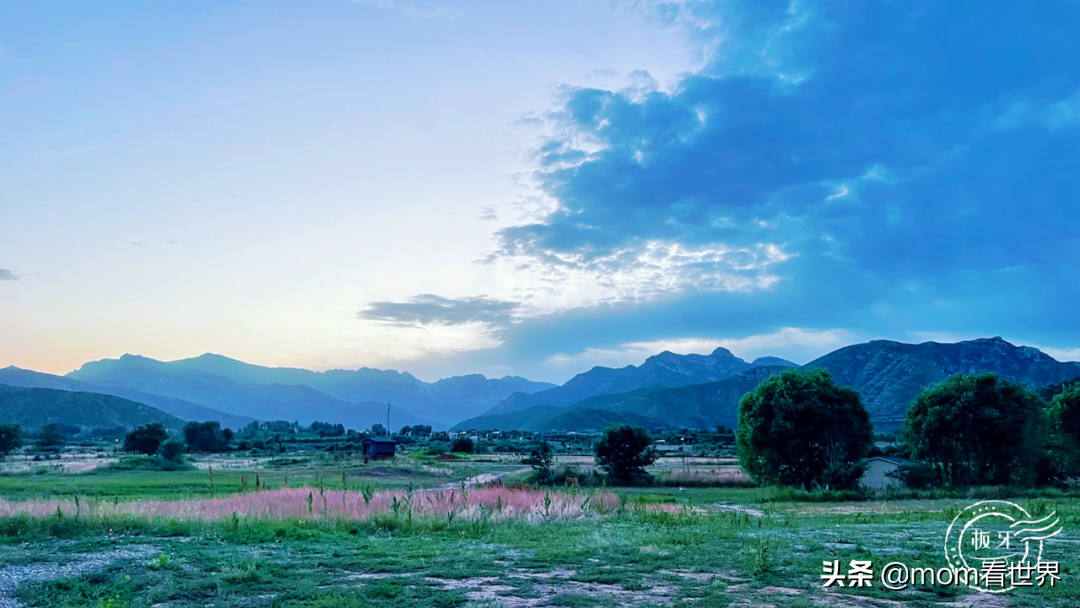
[[720, 351]]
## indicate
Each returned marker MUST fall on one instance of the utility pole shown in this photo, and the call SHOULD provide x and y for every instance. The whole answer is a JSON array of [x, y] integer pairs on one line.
[[387, 418]]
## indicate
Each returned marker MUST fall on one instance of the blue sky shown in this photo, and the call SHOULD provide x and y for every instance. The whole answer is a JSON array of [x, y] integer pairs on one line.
[[534, 188]]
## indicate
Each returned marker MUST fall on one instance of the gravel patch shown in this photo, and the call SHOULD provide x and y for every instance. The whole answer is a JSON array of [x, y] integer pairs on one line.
[[78, 564]]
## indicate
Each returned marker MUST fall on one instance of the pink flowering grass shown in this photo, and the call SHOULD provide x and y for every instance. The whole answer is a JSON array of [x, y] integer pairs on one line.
[[498, 503]]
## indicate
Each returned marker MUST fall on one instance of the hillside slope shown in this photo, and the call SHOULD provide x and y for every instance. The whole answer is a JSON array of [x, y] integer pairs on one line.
[[185, 410], [888, 375], [33, 408]]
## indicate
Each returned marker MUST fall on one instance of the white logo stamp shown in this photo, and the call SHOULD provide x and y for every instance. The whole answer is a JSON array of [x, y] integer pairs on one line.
[[1003, 543]]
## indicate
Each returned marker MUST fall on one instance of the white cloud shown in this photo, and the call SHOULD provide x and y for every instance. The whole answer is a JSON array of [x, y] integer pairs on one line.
[[1061, 354]]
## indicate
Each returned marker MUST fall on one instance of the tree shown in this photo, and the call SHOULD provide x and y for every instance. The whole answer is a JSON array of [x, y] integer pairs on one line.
[[976, 429], [172, 450], [145, 439], [541, 458], [800, 429], [51, 438], [624, 451], [378, 429], [462, 444], [1064, 417], [205, 437], [10, 439]]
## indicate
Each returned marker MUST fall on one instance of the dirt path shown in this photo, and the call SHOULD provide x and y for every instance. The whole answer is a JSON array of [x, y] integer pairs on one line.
[[477, 480], [12, 577]]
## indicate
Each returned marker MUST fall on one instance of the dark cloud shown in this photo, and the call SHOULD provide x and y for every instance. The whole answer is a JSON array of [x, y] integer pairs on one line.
[[429, 309], [7, 275], [914, 161]]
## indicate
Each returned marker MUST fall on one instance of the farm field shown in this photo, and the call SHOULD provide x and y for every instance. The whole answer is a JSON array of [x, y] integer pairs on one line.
[[442, 544]]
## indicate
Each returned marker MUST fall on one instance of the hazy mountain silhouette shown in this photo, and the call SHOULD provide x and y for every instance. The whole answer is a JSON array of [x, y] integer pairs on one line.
[[263, 401], [446, 401]]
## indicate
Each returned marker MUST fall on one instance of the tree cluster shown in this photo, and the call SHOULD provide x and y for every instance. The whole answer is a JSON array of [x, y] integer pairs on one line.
[[980, 429]]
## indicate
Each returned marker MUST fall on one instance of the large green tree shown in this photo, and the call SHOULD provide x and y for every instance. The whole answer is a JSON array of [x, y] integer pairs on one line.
[[205, 437], [10, 439], [145, 439], [800, 429], [623, 452], [976, 429], [1064, 414]]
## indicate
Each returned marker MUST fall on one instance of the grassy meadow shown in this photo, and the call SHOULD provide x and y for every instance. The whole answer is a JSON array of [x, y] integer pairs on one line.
[[323, 532]]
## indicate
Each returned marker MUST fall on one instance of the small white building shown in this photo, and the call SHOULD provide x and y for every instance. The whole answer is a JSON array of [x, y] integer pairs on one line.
[[877, 472]]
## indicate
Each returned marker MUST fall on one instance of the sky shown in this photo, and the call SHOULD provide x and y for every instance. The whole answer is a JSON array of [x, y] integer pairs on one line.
[[450, 187]]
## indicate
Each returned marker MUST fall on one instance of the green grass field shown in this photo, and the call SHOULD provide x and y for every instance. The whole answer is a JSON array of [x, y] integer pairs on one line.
[[713, 547]]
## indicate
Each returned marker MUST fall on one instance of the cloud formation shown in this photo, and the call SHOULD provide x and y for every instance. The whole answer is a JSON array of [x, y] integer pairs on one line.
[[7, 275], [832, 173], [909, 156], [432, 310]]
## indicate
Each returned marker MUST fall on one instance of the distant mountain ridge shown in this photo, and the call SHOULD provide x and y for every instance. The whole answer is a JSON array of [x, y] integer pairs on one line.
[[185, 410], [276, 392], [293, 402], [888, 375], [704, 405], [665, 369], [445, 401], [33, 408]]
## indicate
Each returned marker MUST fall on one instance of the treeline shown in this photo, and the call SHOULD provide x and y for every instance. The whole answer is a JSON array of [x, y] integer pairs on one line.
[[800, 429]]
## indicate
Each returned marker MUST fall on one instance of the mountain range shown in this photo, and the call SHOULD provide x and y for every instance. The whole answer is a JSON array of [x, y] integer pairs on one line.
[[666, 369], [666, 390], [886, 374], [355, 398]]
